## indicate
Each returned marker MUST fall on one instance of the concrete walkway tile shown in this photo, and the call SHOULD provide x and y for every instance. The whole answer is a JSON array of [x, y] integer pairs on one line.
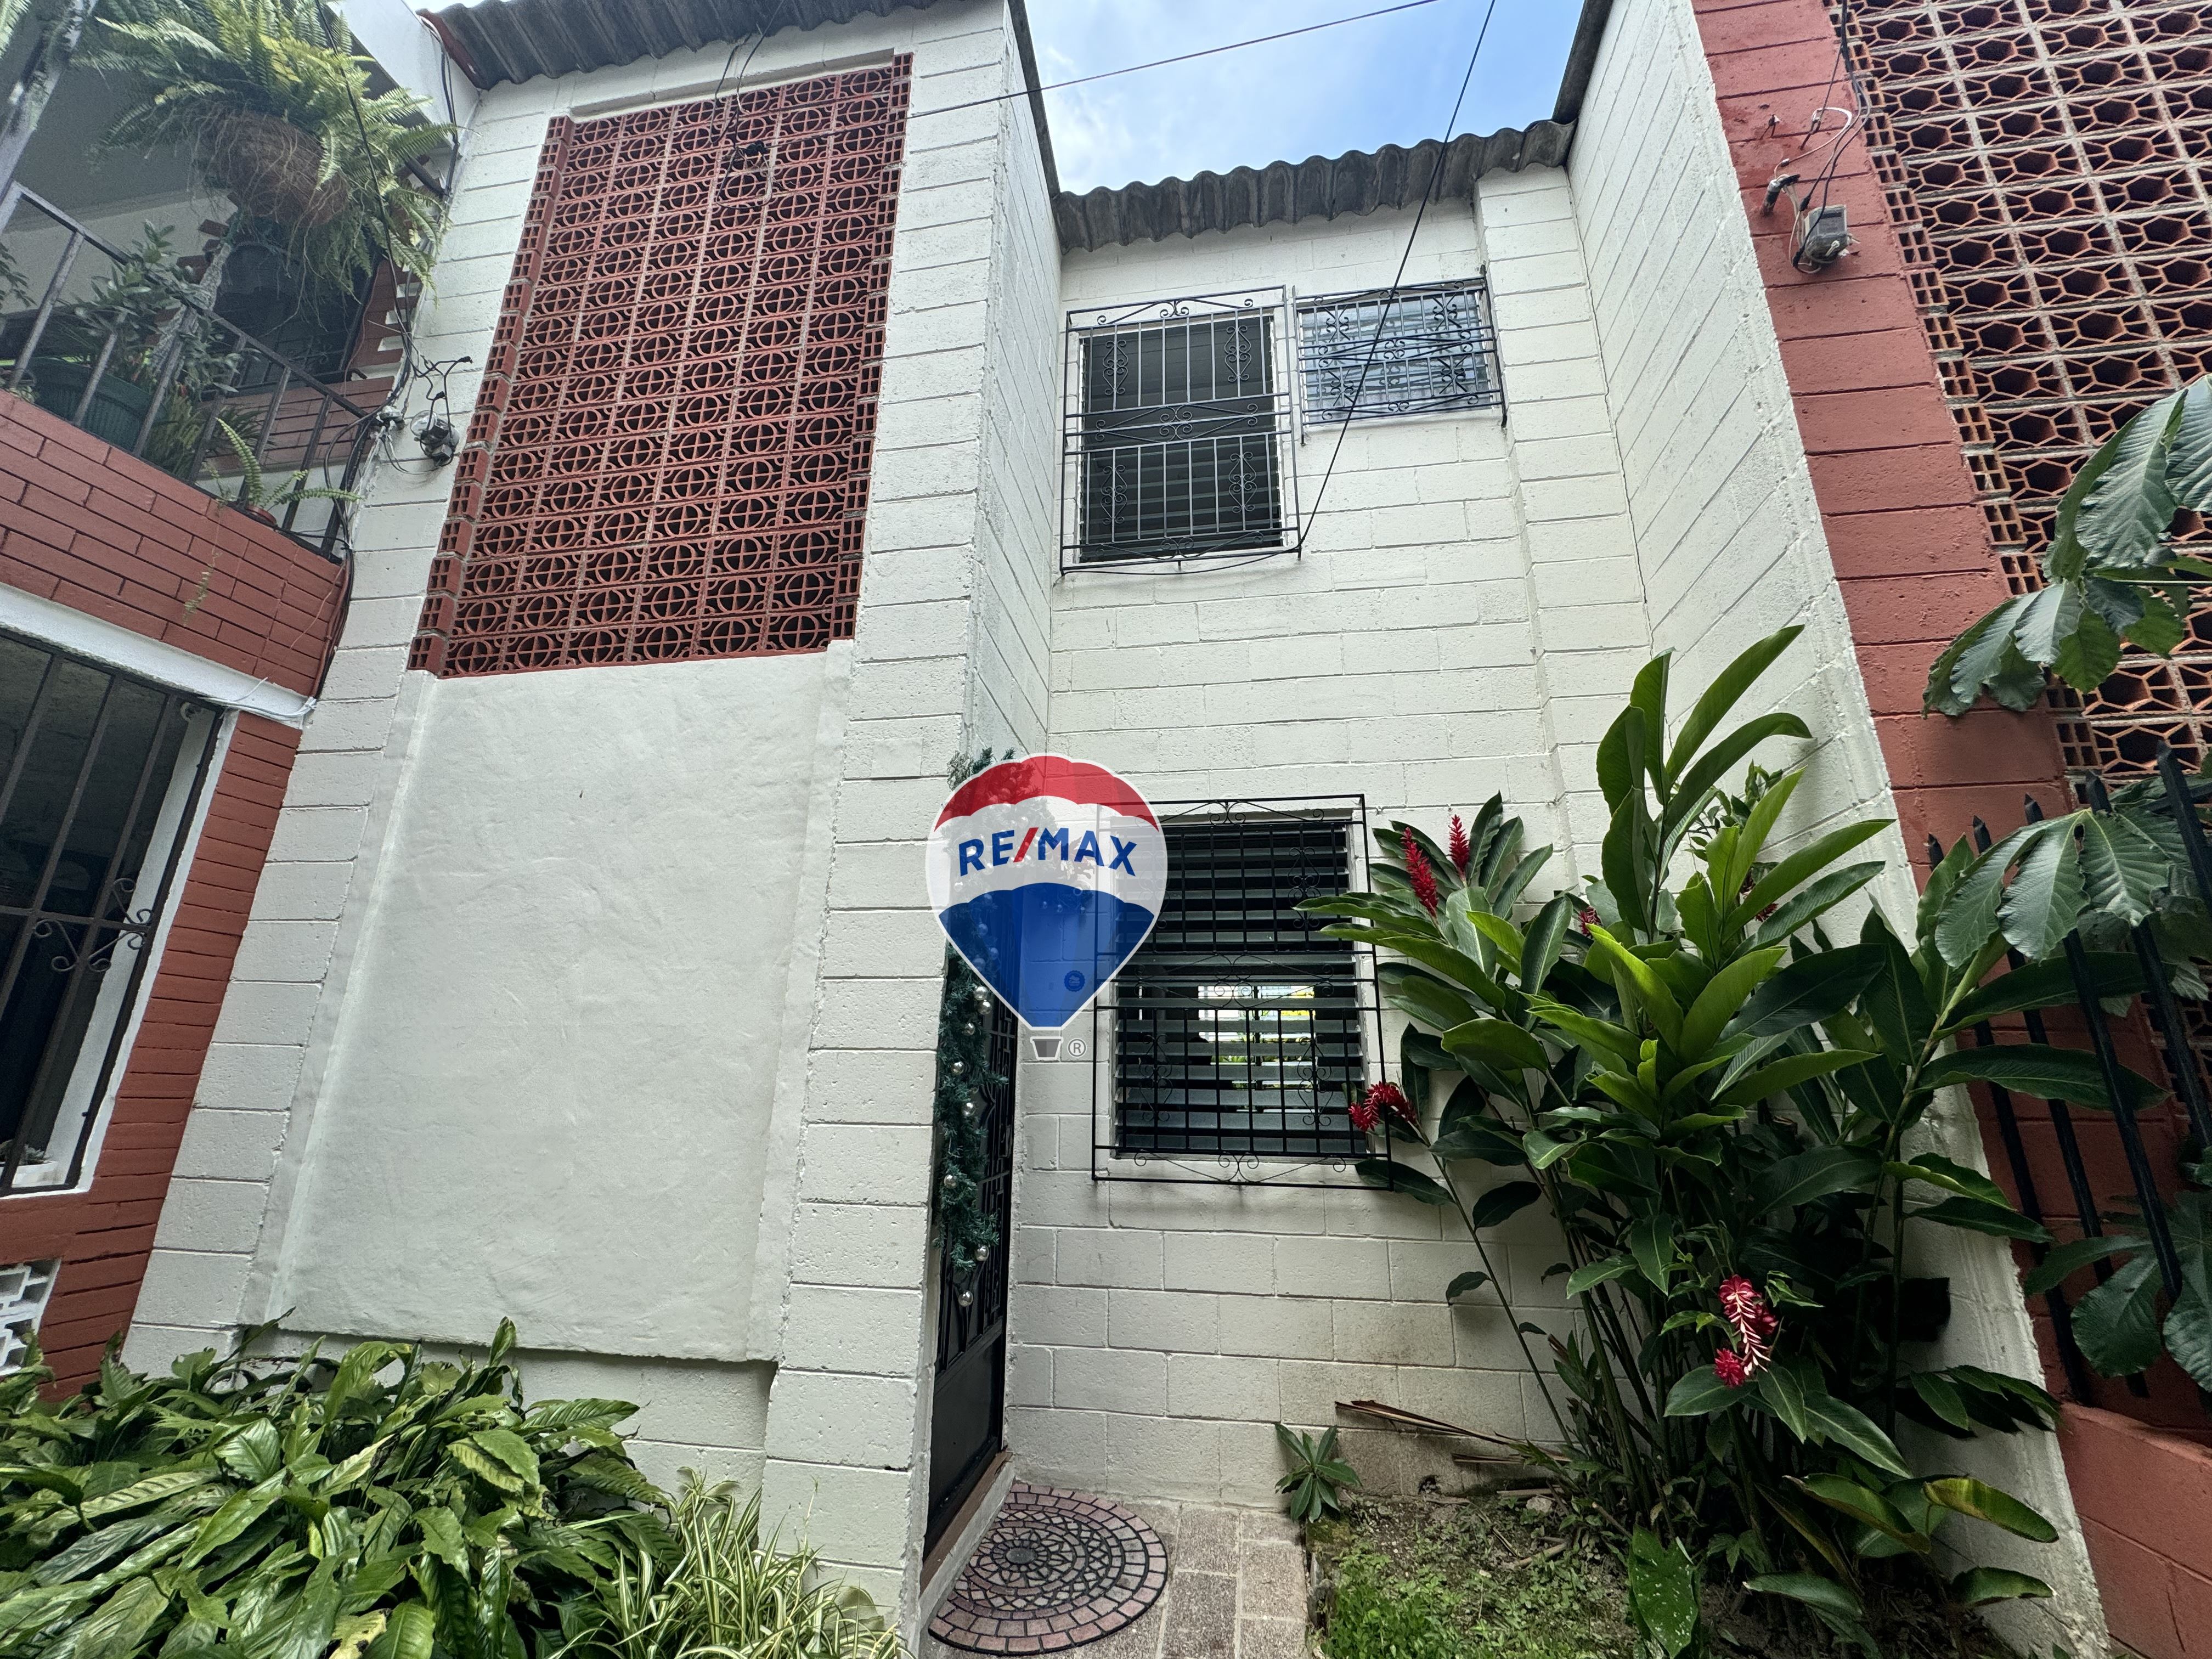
[[1205, 1540], [1271, 1638], [1275, 1580], [1201, 1616]]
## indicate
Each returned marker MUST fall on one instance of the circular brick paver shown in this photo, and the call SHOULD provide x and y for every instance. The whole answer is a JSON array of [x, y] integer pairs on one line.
[[1056, 1570]]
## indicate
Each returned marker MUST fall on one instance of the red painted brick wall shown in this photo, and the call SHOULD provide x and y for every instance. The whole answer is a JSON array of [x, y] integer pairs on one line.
[[91, 527], [103, 1235], [95, 529], [1912, 548], [1917, 561]]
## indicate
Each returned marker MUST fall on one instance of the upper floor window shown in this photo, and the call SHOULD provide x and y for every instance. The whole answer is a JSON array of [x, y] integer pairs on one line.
[[1417, 351], [1177, 433]]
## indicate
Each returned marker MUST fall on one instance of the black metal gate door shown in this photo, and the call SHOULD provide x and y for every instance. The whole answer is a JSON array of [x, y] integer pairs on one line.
[[968, 1422]]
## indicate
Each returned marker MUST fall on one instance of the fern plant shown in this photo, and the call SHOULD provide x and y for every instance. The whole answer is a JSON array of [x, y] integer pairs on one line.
[[196, 63], [253, 493]]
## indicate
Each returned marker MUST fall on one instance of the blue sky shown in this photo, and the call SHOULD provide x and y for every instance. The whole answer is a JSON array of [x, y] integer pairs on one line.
[[1388, 80]]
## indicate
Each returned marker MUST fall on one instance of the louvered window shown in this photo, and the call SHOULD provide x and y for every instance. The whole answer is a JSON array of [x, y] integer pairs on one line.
[[1238, 1026]]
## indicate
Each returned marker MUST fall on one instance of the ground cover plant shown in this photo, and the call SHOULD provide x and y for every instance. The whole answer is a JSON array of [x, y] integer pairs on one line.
[[1727, 1111], [381, 1505]]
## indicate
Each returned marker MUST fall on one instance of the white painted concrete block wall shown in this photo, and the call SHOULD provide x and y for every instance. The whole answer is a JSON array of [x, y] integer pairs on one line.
[[951, 557], [1462, 588], [1731, 547], [849, 1220]]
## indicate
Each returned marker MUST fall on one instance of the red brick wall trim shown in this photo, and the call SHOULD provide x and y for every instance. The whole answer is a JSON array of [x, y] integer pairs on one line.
[[1910, 545], [2146, 1502], [101, 532], [104, 1233]]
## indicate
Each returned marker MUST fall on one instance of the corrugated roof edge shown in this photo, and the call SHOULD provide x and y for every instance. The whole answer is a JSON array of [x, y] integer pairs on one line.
[[518, 39], [1357, 182]]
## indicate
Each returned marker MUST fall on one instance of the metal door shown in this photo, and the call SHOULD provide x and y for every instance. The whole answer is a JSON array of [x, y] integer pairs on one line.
[[967, 1421]]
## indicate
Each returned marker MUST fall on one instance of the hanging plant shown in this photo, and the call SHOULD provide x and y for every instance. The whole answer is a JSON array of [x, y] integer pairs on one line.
[[273, 101]]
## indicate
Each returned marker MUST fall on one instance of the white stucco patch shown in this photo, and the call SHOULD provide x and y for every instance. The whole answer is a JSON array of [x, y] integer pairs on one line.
[[549, 1095]]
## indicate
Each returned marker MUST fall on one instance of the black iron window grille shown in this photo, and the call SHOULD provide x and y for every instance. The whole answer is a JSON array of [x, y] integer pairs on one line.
[[1417, 351], [1232, 1046], [1177, 442], [101, 779]]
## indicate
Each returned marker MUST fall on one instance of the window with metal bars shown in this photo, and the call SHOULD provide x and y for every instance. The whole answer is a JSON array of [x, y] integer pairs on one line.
[[1176, 439], [1239, 1028], [1417, 352], [99, 774]]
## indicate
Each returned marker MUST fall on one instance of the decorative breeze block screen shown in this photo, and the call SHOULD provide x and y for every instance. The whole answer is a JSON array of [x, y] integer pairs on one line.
[[669, 457], [2048, 165], [25, 1290]]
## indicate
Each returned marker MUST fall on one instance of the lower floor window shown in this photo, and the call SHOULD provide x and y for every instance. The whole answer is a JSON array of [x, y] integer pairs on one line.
[[1238, 1028], [99, 774]]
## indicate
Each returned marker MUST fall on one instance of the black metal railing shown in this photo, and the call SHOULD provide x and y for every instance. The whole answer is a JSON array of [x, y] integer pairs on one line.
[[2174, 796], [114, 342]]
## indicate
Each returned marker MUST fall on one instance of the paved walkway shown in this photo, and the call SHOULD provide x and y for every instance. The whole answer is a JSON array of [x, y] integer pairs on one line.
[[1236, 1590]]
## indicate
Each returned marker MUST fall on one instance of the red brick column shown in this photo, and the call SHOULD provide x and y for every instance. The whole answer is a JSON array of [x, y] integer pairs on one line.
[[1916, 561], [1912, 548]]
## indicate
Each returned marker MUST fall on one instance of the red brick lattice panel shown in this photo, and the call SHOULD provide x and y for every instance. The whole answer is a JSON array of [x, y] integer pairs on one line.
[[2049, 166], [669, 455]]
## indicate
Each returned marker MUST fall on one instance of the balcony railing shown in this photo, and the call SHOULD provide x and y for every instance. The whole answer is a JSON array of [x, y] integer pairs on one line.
[[119, 347]]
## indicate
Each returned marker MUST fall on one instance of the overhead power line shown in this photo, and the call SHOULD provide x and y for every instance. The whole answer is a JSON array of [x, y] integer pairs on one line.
[[1182, 58], [1382, 314]]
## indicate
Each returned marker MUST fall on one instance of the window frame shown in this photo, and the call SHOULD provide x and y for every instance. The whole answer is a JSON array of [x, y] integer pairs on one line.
[[1313, 417], [1275, 309], [1113, 1156], [179, 804]]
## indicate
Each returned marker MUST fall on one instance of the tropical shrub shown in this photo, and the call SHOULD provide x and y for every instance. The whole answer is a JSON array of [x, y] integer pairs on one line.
[[385, 1505], [1726, 1112], [716, 1588]]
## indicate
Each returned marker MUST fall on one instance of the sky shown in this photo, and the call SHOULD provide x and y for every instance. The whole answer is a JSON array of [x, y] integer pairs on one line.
[[1388, 80]]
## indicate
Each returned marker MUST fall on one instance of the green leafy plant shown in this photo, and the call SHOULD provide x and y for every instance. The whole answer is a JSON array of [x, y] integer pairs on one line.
[[382, 1506], [715, 1587], [229, 80], [2112, 573], [253, 493], [1318, 1478], [1724, 1111], [2118, 1325], [1662, 1596]]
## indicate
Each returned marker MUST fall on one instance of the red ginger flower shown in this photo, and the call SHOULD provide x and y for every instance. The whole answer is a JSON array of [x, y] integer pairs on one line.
[[1422, 874], [1367, 1110], [1729, 1368], [1461, 854], [1753, 1322]]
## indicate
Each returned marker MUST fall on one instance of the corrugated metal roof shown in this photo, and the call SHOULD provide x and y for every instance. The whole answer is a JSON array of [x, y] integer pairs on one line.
[[514, 39], [1357, 182]]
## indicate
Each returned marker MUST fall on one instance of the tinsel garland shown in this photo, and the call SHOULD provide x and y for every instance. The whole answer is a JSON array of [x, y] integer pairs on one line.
[[966, 1231]]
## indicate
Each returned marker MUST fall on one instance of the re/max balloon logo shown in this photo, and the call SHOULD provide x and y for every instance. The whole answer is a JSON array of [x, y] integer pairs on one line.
[[1048, 843], [1047, 874]]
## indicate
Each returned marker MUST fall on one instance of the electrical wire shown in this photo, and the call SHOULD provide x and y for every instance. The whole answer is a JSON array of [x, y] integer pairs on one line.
[[1382, 317], [1181, 57]]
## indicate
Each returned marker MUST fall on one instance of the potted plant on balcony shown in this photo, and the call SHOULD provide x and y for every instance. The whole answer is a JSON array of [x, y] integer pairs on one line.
[[271, 100]]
